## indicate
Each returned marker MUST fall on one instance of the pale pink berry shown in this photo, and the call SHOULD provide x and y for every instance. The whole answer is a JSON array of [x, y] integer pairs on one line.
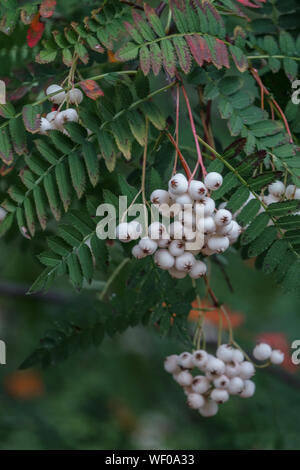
[[277, 357], [213, 180], [222, 382], [200, 384], [171, 364], [262, 352], [197, 190], [185, 360], [209, 409], [184, 378], [219, 396], [195, 401], [198, 270], [248, 390], [200, 358], [58, 98], [178, 184]]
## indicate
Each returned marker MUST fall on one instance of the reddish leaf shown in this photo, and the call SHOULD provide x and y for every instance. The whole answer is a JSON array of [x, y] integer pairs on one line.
[[199, 49], [47, 8], [91, 89], [5, 170], [145, 60], [35, 31], [156, 58], [137, 18], [18, 93], [221, 54], [249, 4]]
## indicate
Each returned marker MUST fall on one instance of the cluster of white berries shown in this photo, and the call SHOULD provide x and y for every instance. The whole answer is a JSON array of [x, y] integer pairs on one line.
[[56, 119], [264, 352], [223, 375], [279, 192], [198, 228]]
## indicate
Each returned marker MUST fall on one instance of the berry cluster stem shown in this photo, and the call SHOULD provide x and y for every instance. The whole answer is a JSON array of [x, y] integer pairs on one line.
[[199, 155], [177, 127], [181, 157]]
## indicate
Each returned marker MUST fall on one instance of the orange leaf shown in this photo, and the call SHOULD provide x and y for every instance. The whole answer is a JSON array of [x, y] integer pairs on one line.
[[35, 31], [111, 57], [47, 8], [91, 89], [24, 384], [213, 316]]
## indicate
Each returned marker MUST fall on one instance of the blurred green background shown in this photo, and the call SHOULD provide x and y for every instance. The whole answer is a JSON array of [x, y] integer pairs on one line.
[[118, 396]]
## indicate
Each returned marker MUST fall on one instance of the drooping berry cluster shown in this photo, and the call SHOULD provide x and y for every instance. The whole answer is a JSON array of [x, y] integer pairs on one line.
[[223, 375], [198, 228], [57, 118]]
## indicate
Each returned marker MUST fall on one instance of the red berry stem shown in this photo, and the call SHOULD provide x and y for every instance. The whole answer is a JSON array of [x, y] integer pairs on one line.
[[199, 154], [181, 157]]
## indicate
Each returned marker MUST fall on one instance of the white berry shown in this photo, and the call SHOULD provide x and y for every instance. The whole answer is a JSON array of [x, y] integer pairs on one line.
[[195, 401], [223, 217], [200, 384], [222, 382], [69, 115], [163, 259], [277, 188], [215, 367], [232, 368], [249, 389], [148, 246], [185, 360], [206, 225], [218, 243], [262, 352], [277, 357], [122, 232], [213, 180], [59, 97], [185, 262], [225, 352], [75, 96], [209, 409], [197, 190], [205, 207], [238, 356], [137, 252], [235, 386], [198, 270], [184, 199], [134, 229], [247, 370], [45, 126], [163, 242], [178, 184], [184, 378], [290, 191], [219, 395], [160, 196], [176, 247], [171, 364], [200, 358], [176, 230], [156, 230]]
